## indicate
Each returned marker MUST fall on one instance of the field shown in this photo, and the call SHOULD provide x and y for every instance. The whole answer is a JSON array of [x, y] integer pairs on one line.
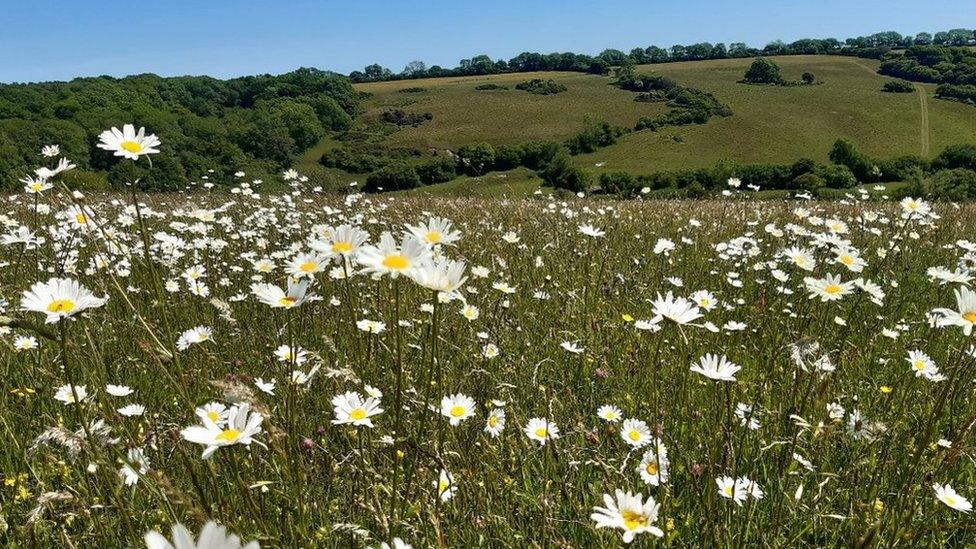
[[769, 123], [313, 370]]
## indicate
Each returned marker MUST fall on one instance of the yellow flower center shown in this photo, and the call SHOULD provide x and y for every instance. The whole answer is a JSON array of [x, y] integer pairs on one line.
[[341, 247], [846, 259], [633, 520], [308, 267], [728, 491], [833, 289], [919, 365], [540, 432], [358, 414], [230, 435], [651, 468], [492, 421], [634, 435], [396, 262], [61, 306], [81, 219], [443, 485], [457, 411], [433, 237], [213, 416], [287, 301], [37, 187], [949, 499], [970, 316], [131, 146]]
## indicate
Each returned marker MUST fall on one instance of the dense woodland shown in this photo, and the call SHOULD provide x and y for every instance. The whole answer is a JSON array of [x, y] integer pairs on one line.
[[253, 123]]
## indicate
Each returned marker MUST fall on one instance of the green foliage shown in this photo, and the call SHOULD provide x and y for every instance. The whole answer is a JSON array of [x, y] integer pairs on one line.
[[962, 93], [593, 137], [808, 182], [846, 154], [617, 183], [476, 159], [541, 87], [956, 184], [399, 117], [436, 170], [898, 86], [837, 176], [257, 122], [935, 64], [956, 156], [489, 87], [559, 173], [763, 71], [397, 176]]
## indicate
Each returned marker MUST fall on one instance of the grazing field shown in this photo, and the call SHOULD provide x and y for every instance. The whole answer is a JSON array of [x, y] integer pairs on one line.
[[313, 370], [768, 124]]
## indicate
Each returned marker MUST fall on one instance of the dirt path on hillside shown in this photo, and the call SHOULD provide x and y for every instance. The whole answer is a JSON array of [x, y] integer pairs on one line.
[[924, 105]]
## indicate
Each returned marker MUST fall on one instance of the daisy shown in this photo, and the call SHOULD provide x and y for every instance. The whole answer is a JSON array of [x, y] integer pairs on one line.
[[653, 468], [704, 299], [716, 367], [213, 536], [609, 413], [298, 356], [344, 240], [591, 231], [945, 494], [136, 464], [69, 395], [352, 409], [676, 309], [628, 512], [439, 275], [495, 423], [445, 485], [541, 430], [371, 326], [36, 186], [730, 489], [470, 312], [387, 258], [127, 143], [965, 316], [490, 351], [50, 151], [437, 231], [457, 408], [571, 347], [242, 425], [306, 265], [214, 412], [118, 390], [59, 298], [132, 410], [25, 343], [828, 289], [922, 365], [194, 336], [635, 432]]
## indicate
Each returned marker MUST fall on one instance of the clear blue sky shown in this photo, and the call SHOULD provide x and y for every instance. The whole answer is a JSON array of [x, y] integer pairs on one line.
[[57, 40]]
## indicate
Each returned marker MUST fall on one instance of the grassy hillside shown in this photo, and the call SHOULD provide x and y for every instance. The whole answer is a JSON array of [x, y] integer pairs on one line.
[[769, 123]]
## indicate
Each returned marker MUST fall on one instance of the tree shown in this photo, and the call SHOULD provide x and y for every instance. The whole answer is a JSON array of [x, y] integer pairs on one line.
[[923, 39], [808, 78], [763, 71], [414, 69]]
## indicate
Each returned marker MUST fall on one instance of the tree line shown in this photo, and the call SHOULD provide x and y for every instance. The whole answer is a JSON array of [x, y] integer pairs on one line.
[[876, 46]]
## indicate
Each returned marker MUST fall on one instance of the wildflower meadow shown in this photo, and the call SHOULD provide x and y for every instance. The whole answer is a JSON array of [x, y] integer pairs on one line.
[[276, 366]]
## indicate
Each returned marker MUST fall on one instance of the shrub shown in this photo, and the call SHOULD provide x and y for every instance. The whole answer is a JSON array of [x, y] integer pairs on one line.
[[592, 138], [414, 89], [837, 177], [400, 117], [966, 94], [393, 177], [437, 170], [808, 78], [621, 183], [956, 156], [954, 184], [536, 154], [354, 162], [808, 182], [845, 153], [476, 159], [902, 168], [487, 87], [541, 87], [561, 174], [763, 71], [898, 86]]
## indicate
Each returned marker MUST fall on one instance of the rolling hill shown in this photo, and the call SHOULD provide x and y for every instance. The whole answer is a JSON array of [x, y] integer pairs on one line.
[[768, 124]]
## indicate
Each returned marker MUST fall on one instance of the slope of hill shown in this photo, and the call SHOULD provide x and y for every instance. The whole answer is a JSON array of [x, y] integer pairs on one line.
[[769, 123]]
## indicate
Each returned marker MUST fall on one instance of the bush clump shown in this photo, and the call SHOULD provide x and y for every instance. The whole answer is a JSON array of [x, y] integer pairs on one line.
[[397, 176], [541, 87], [400, 117], [489, 87], [898, 86]]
